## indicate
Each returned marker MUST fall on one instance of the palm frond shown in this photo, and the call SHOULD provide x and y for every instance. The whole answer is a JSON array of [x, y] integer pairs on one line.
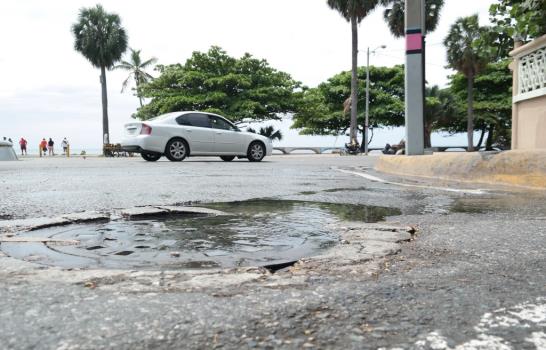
[[99, 36], [125, 83], [136, 68], [145, 64]]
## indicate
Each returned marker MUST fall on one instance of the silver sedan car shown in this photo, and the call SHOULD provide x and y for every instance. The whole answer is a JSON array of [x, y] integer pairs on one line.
[[183, 134]]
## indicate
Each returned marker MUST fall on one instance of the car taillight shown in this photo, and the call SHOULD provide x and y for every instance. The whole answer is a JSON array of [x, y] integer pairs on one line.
[[146, 130]]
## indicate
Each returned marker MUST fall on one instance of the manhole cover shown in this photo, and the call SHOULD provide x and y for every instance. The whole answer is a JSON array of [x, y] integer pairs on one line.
[[258, 233]]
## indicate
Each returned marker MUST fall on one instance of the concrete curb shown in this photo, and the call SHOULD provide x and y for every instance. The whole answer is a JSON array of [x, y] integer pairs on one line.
[[514, 168]]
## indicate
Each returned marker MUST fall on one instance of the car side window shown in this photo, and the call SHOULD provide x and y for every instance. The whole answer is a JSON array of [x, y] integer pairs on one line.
[[219, 123], [199, 120], [183, 120]]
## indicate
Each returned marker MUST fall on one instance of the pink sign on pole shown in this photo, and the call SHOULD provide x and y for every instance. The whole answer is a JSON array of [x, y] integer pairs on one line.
[[414, 42]]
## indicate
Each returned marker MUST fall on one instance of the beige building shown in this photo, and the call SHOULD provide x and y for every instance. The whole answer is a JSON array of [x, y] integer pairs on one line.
[[529, 101]]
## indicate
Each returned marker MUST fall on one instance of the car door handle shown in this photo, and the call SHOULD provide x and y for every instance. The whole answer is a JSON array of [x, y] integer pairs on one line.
[[219, 133]]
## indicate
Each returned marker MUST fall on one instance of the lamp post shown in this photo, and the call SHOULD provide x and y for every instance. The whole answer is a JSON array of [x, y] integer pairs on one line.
[[367, 122], [415, 75]]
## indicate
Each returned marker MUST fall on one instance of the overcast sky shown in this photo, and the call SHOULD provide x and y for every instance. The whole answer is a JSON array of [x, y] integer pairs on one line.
[[49, 90]]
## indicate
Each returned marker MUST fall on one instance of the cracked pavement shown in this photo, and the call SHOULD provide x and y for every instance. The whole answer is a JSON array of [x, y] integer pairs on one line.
[[473, 278]]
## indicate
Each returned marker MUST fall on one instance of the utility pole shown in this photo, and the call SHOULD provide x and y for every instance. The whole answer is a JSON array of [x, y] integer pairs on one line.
[[367, 122], [415, 76]]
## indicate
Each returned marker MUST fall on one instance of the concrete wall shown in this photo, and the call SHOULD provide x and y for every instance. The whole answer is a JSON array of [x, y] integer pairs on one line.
[[531, 120], [529, 100]]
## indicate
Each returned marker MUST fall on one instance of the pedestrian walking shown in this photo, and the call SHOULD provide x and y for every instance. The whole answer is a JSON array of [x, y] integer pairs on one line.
[[23, 145], [50, 147], [64, 145]]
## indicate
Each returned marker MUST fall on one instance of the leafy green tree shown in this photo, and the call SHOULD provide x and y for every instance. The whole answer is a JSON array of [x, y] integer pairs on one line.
[[321, 111], [242, 89], [495, 43], [493, 104], [523, 18], [101, 39], [441, 109], [395, 16], [269, 132], [137, 71], [466, 54], [354, 11]]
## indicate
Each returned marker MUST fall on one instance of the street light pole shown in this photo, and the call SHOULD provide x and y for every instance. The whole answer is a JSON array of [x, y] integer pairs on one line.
[[415, 76], [367, 121]]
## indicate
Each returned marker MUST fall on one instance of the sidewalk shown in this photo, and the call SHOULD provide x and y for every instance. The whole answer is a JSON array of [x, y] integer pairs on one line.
[[514, 168]]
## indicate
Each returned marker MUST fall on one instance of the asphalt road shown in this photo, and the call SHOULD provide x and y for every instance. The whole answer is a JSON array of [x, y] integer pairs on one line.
[[474, 278]]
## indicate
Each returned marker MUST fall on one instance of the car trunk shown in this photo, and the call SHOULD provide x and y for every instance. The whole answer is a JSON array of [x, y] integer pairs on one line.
[[133, 129]]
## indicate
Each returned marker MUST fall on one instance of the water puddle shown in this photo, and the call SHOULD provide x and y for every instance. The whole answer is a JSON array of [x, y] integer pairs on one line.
[[255, 233]]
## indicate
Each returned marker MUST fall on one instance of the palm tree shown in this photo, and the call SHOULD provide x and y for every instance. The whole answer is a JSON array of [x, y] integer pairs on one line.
[[269, 132], [101, 39], [136, 69], [466, 54], [354, 11], [395, 16]]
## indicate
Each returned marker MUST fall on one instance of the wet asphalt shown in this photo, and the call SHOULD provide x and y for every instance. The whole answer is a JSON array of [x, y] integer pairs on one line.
[[474, 278]]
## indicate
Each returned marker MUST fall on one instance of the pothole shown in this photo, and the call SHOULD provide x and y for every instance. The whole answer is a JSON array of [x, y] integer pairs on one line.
[[268, 233]]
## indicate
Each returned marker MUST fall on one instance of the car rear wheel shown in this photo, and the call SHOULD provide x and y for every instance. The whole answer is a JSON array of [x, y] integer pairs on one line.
[[150, 157], [256, 151], [176, 150], [227, 158]]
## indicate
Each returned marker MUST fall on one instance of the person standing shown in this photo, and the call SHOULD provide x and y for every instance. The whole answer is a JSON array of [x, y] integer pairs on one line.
[[64, 145], [50, 147], [23, 145], [43, 146]]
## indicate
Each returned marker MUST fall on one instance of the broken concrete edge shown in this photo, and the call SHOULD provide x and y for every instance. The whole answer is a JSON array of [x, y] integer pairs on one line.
[[10, 227], [360, 245], [51, 241], [525, 169], [164, 210]]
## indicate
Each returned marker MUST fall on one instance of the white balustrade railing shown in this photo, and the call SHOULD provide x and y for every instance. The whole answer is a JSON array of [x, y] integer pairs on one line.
[[531, 70]]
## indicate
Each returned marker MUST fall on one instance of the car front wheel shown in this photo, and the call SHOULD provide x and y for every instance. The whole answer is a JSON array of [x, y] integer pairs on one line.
[[176, 150], [256, 151], [150, 157]]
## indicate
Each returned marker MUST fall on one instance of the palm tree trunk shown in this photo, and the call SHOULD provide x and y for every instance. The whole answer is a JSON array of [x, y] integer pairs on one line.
[[428, 143], [480, 141], [137, 81], [470, 125], [105, 129], [354, 79]]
